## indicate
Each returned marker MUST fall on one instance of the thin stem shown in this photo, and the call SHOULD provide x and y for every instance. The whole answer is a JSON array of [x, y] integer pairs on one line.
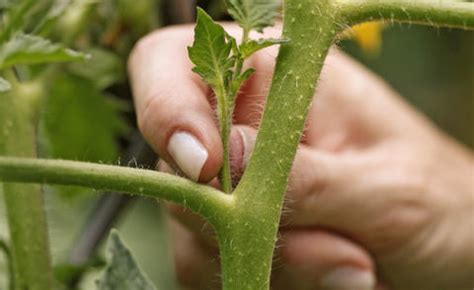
[[201, 199], [452, 14], [225, 177]]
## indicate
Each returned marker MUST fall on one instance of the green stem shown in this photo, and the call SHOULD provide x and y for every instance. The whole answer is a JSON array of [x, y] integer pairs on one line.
[[453, 14], [204, 200], [24, 203], [225, 126], [248, 240]]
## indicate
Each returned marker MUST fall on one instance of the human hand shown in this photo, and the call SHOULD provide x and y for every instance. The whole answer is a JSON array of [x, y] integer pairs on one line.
[[375, 189]]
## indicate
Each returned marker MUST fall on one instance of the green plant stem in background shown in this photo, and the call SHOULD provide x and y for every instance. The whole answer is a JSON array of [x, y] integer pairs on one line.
[[204, 200], [454, 14], [24, 202]]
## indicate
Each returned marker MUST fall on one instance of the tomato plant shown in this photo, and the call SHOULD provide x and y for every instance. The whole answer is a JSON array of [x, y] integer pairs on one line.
[[246, 218]]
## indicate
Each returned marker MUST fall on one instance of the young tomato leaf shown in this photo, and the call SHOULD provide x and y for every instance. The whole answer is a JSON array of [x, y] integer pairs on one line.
[[122, 271], [211, 51], [252, 46], [4, 85], [253, 14], [238, 81], [30, 49]]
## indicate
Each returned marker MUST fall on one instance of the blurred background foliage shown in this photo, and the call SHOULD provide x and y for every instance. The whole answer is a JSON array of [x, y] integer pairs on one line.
[[87, 112]]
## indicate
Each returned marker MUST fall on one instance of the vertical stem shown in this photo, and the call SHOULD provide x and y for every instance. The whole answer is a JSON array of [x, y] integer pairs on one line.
[[24, 203], [248, 239], [225, 177]]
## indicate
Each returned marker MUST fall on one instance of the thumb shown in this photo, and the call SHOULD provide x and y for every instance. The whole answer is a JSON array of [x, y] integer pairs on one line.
[[242, 141]]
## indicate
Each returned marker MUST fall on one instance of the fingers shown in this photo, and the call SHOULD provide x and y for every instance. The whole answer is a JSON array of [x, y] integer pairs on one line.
[[316, 259], [241, 145], [354, 108], [308, 258], [172, 104]]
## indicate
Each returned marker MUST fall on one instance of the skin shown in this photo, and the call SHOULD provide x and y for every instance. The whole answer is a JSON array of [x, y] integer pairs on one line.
[[375, 185]]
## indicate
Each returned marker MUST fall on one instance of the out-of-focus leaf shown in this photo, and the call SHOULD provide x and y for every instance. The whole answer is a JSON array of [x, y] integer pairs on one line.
[[140, 16], [253, 14], [4, 85], [5, 4], [122, 271], [50, 14], [104, 68], [80, 123], [17, 18], [29, 49]]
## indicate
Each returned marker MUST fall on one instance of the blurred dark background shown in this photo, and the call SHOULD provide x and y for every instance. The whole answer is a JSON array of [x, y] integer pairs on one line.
[[432, 68]]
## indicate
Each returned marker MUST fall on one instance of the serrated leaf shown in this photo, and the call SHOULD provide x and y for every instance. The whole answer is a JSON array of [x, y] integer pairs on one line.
[[252, 46], [211, 51], [238, 81], [4, 85], [253, 14], [122, 272], [30, 49]]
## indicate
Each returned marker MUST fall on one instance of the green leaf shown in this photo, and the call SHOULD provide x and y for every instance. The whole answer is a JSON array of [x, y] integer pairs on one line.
[[252, 46], [122, 271], [78, 122], [253, 14], [49, 15], [104, 68], [211, 51], [4, 85], [237, 83], [29, 49]]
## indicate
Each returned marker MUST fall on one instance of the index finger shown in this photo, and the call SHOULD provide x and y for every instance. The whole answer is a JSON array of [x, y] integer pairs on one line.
[[170, 99]]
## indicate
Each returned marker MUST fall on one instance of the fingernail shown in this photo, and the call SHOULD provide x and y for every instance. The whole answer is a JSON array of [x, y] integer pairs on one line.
[[188, 153], [348, 278]]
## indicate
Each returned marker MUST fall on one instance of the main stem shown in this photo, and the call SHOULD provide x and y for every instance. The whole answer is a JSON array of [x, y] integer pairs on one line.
[[24, 202], [248, 239]]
